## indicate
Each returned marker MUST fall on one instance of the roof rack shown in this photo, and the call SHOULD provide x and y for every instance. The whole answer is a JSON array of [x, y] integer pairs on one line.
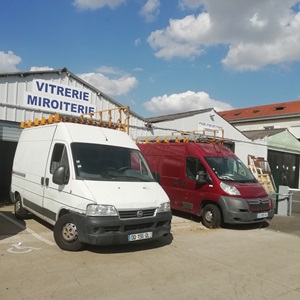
[[200, 136], [93, 118]]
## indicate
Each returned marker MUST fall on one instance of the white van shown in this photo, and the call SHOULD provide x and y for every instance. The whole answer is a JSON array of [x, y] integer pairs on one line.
[[91, 183]]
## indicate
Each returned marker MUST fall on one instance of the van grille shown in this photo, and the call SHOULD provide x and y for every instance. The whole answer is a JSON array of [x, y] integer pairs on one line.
[[259, 205], [133, 214], [138, 226]]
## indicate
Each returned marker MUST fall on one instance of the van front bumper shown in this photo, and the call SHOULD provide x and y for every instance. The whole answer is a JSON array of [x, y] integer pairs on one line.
[[94, 230], [238, 210]]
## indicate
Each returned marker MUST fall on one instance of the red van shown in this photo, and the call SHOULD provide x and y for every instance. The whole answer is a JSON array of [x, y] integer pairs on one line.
[[208, 180]]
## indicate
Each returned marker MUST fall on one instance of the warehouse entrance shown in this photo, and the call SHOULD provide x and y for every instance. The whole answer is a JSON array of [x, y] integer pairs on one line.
[[7, 152], [286, 166]]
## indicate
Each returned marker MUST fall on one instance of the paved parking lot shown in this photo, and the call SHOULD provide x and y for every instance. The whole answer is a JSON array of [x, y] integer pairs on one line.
[[245, 262]]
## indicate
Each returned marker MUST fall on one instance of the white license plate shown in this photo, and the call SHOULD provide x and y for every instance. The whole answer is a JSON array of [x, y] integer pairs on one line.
[[262, 215], [139, 236]]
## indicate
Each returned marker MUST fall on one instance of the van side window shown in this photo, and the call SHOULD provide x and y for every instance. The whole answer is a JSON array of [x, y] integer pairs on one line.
[[193, 167], [59, 158]]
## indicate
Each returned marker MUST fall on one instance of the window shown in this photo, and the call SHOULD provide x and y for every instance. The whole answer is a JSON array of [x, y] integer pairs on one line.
[[109, 163], [59, 158], [193, 167], [230, 168]]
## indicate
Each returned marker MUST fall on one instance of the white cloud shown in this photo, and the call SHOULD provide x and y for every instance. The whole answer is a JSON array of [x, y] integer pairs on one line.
[[109, 70], [137, 42], [8, 62], [189, 4], [181, 37], [256, 32], [96, 4], [120, 85], [40, 69], [138, 69], [150, 10], [188, 101]]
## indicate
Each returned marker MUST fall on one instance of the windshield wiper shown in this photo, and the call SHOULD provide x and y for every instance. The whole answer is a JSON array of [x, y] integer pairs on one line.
[[226, 177]]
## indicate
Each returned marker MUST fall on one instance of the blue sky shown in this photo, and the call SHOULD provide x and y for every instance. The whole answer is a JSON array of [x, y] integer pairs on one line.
[[161, 56]]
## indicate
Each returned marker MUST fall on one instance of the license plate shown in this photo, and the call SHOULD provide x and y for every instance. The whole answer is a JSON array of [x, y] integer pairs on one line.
[[262, 215], [139, 236]]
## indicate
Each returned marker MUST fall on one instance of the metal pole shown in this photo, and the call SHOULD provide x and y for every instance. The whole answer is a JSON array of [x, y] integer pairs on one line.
[[277, 182]]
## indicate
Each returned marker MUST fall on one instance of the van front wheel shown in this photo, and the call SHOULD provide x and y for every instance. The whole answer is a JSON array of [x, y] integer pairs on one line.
[[211, 216], [65, 234]]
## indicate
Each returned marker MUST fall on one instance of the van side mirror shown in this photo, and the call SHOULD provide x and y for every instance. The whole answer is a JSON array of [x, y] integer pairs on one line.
[[59, 176], [156, 176], [201, 177]]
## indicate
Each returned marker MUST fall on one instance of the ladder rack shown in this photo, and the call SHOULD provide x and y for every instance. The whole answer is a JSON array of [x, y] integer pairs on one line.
[[203, 136], [93, 118]]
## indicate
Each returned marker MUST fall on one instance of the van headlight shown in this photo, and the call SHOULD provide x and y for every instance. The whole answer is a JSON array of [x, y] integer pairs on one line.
[[229, 189], [164, 207], [101, 210]]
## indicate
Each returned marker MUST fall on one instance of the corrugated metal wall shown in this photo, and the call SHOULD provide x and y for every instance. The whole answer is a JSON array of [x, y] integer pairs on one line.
[[15, 88], [9, 131]]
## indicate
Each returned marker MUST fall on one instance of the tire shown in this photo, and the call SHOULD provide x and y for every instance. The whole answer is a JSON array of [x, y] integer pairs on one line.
[[20, 212], [65, 234], [211, 216]]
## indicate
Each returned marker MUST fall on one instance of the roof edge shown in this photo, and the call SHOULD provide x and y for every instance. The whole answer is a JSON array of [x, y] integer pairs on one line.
[[177, 115]]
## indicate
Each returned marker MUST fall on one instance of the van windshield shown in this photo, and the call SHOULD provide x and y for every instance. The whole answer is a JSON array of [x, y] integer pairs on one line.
[[230, 168], [109, 163]]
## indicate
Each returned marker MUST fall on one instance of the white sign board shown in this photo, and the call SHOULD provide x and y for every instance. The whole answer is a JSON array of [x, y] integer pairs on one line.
[[211, 129], [58, 98]]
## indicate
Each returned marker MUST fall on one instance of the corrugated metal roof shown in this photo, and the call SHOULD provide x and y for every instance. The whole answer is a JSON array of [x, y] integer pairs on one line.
[[28, 73], [280, 139], [282, 109], [177, 116], [259, 134]]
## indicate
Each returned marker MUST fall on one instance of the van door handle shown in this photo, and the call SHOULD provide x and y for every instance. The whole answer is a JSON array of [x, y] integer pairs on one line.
[[175, 181], [184, 183], [44, 181]]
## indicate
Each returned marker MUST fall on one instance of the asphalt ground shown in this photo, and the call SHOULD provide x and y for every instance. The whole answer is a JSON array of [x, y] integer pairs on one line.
[[286, 224], [235, 262], [279, 223]]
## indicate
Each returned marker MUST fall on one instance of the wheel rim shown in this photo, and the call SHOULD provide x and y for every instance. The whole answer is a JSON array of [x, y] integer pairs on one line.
[[69, 232], [208, 216], [18, 206]]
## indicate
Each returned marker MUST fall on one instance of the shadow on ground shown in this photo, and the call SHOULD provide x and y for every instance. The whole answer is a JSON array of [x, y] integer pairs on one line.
[[197, 219], [9, 225]]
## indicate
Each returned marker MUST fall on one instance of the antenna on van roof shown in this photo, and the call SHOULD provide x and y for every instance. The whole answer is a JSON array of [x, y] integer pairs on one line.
[[195, 136], [103, 118]]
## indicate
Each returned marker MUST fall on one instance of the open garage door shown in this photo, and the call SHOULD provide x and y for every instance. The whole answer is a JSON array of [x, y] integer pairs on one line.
[[7, 152], [287, 164]]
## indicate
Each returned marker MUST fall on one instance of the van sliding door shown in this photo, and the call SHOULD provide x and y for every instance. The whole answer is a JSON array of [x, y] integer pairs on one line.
[[35, 148], [171, 169]]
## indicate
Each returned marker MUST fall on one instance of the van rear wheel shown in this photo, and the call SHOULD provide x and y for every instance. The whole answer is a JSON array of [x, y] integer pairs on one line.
[[211, 216], [65, 234], [20, 212]]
